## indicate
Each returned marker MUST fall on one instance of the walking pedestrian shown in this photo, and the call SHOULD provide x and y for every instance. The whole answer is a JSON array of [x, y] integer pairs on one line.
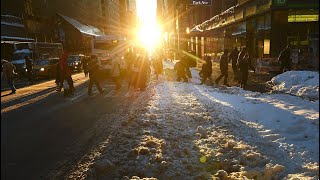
[[157, 66], [9, 74], [115, 71], [223, 67], [144, 71], [65, 73], [85, 66], [285, 60], [244, 64], [93, 68], [129, 60], [29, 69], [206, 70], [233, 58], [180, 68]]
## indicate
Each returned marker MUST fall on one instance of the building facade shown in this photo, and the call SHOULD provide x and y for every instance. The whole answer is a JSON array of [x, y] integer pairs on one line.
[[41, 18], [264, 27]]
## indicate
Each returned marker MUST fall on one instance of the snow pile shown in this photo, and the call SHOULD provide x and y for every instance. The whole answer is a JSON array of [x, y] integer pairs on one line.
[[299, 83]]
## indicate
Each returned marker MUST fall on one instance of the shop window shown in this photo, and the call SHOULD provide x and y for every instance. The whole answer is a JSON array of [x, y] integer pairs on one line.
[[266, 46]]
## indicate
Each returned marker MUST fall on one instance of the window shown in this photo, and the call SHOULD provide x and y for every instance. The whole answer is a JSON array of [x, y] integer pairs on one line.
[[266, 46]]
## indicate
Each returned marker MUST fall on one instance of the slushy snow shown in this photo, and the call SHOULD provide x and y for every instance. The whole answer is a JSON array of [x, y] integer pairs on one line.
[[181, 130]]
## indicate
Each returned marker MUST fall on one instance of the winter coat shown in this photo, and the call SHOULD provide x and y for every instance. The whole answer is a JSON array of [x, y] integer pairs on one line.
[[180, 68], [64, 68], [284, 55], [8, 70], [224, 63], [245, 64], [233, 57], [28, 64], [158, 65], [206, 69], [240, 56]]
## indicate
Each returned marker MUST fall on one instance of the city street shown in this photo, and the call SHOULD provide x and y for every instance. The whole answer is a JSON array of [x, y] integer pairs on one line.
[[41, 131]]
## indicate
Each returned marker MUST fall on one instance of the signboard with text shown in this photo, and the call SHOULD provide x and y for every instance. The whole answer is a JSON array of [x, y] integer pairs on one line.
[[201, 2]]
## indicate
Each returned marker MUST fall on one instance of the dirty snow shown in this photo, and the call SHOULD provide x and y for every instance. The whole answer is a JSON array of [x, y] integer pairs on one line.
[[299, 83], [180, 130]]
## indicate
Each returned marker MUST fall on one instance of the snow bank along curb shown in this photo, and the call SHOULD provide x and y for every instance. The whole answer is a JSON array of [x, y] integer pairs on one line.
[[298, 83]]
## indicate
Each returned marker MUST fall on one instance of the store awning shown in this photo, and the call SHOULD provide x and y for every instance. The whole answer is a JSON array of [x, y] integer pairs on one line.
[[8, 39], [84, 29]]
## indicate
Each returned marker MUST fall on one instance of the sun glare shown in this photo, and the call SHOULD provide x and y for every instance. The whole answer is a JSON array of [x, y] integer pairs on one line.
[[149, 32]]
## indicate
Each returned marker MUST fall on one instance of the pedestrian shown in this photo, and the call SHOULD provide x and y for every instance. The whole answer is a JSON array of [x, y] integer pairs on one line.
[[93, 68], [180, 68], [157, 66], [115, 71], [144, 71], [85, 66], [9, 74], [285, 60], [206, 70], [244, 64], [224, 59], [29, 69], [129, 60], [65, 73], [59, 80], [233, 58]]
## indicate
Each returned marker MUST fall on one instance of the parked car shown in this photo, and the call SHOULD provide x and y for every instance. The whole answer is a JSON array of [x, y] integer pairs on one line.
[[45, 68], [75, 62]]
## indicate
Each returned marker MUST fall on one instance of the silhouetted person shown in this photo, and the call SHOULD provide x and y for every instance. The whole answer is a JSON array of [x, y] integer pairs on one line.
[[206, 70], [9, 74], [93, 68], [223, 67], [29, 69], [65, 73], [285, 60], [180, 67], [233, 58], [244, 64]]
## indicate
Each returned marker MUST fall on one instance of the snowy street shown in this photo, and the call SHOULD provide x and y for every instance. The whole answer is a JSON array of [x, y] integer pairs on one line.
[[187, 131]]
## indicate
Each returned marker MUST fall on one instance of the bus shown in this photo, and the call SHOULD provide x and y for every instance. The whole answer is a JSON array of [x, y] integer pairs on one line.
[[107, 48]]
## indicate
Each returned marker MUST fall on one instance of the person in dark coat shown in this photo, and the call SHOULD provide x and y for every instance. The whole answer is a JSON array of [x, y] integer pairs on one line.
[[284, 58], [206, 70], [180, 67], [233, 58], [157, 66], [144, 71], [244, 64], [9, 74], [223, 67], [85, 66], [65, 72], [93, 68], [29, 69]]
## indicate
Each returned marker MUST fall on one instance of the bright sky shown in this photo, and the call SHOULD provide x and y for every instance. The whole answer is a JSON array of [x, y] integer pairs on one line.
[[149, 32]]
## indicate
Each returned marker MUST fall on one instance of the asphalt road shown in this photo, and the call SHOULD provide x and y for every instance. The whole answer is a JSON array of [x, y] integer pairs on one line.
[[43, 134]]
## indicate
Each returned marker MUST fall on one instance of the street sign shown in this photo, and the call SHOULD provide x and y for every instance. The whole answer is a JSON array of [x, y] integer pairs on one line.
[[201, 2]]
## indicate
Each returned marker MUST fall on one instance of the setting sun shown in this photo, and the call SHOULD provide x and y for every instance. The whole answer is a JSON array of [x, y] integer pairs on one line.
[[149, 31]]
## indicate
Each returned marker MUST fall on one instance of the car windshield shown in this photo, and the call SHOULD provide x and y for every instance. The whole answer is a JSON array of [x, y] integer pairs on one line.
[[17, 56], [43, 62], [73, 59]]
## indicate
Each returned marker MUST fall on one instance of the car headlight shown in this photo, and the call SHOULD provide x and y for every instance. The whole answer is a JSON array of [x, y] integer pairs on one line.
[[26, 70], [41, 69], [76, 63]]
